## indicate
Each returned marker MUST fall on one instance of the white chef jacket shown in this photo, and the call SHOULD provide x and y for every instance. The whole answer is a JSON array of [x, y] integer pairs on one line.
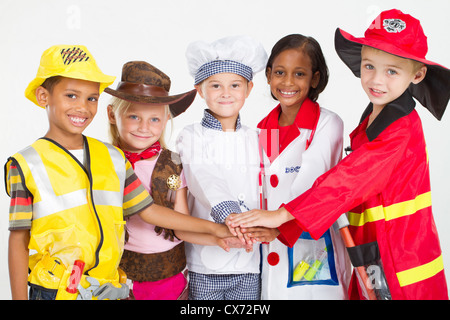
[[221, 170], [291, 173]]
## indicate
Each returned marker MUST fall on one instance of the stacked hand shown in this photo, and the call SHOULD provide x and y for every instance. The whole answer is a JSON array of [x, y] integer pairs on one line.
[[245, 229], [226, 240], [234, 242], [257, 225]]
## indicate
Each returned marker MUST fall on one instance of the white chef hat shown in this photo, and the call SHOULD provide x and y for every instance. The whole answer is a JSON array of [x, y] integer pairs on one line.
[[242, 55]]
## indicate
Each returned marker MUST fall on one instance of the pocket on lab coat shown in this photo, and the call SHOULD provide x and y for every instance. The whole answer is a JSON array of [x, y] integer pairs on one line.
[[311, 262]]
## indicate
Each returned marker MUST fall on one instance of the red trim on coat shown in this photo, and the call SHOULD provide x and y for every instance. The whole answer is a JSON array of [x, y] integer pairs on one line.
[[307, 118]]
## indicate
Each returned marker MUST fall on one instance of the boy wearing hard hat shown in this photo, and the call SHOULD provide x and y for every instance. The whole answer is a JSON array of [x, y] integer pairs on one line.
[[70, 193]]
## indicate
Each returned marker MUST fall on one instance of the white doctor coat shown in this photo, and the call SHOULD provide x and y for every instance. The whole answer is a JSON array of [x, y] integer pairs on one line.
[[287, 175]]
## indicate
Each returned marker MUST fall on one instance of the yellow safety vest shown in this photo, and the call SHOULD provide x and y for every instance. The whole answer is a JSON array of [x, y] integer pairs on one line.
[[77, 211]]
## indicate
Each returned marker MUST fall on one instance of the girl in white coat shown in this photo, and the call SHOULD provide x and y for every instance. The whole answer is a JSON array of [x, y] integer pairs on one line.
[[299, 140]]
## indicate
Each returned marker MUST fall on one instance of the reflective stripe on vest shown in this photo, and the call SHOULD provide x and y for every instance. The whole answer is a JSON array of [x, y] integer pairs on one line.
[[106, 197], [77, 210], [52, 203]]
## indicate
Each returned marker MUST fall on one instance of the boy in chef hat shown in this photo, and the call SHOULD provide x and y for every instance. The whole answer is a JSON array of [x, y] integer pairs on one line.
[[221, 164]]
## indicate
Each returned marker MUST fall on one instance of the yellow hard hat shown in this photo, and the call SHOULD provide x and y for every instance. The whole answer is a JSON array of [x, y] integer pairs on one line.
[[71, 61]]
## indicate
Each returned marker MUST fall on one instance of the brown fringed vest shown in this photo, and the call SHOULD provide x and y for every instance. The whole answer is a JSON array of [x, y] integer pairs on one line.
[[162, 265]]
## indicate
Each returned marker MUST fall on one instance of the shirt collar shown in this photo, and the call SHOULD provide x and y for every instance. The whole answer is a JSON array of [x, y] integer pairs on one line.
[[393, 111], [210, 122], [306, 117]]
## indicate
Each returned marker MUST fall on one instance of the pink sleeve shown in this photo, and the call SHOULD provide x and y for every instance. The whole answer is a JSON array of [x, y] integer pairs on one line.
[[183, 180]]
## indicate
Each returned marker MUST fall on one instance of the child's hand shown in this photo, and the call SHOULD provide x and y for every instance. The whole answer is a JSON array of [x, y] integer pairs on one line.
[[221, 231], [255, 218], [262, 234], [235, 230], [233, 242]]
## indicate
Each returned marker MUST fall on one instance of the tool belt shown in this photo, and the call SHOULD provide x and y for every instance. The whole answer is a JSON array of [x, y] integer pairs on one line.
[[154, 266], [47, 272], [51, 273]]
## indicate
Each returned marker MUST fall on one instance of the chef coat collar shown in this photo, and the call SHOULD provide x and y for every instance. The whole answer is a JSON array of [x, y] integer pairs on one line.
[[210, 122], [393, 111], [306, 117]]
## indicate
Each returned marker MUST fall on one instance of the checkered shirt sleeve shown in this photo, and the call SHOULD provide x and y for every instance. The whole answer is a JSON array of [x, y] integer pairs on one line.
[[222, 210]]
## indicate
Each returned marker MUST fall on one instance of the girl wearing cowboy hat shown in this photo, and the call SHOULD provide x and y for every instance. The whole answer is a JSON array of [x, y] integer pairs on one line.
[[384, 184], [153, 258]]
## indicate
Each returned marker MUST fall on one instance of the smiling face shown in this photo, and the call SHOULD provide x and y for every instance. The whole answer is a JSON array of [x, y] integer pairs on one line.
[[71, 106], [140, 126], [385, 77], [225, 95], [291, 78]]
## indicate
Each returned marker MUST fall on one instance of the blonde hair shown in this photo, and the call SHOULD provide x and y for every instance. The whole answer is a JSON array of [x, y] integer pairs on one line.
[[119, 107]]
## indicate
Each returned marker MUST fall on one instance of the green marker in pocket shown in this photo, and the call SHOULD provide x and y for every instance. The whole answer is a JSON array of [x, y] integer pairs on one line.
[[316, 265]]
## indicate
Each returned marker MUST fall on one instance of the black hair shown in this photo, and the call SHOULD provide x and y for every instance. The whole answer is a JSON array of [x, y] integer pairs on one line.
[[310, 47]]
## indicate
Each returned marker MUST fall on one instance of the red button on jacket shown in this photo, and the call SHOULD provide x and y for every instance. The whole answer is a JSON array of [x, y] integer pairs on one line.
[[274, 180], [273, 258]]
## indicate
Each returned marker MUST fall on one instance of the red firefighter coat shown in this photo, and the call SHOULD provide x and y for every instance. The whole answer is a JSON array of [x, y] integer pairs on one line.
[[384, 186]]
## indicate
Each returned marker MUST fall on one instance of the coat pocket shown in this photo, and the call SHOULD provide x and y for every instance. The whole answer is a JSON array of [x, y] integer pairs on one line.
[[311, 262]]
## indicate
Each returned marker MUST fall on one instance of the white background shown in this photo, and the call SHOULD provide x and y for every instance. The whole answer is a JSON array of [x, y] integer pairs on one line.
[[117, 31]]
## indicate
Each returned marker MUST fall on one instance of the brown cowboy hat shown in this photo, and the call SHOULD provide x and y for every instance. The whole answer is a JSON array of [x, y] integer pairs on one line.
[[143, 83]]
